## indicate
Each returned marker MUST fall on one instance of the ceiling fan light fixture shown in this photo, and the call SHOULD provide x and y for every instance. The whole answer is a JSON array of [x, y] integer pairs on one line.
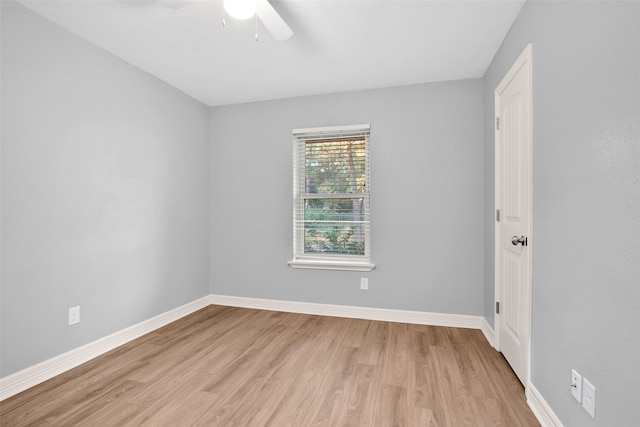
[[240, 9]]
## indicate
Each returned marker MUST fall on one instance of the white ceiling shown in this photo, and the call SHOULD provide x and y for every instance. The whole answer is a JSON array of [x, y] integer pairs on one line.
[[336, 46]]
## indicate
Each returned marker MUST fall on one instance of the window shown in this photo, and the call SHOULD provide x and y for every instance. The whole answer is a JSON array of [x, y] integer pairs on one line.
[[331, 206]]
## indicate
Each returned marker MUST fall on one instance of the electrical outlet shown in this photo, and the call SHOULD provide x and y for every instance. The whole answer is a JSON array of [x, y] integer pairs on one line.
[[576, 385], [589, 398], [364, 283], [74, 315]]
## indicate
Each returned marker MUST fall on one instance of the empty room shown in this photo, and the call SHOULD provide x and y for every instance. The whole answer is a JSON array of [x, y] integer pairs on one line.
[[250, 213]]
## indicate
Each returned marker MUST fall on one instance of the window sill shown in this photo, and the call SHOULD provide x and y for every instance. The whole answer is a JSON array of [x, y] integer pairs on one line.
[[332, 265]]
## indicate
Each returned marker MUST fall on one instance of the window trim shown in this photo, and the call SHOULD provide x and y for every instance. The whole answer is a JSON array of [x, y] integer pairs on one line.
[[320, 261], [322, 264]]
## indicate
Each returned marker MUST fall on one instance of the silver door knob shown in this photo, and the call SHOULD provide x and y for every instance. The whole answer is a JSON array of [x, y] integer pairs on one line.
[[515, 240]]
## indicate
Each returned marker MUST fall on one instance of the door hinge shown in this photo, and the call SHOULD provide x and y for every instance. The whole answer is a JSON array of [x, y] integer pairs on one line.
[[497, 215], [497, 307], [497, 123]]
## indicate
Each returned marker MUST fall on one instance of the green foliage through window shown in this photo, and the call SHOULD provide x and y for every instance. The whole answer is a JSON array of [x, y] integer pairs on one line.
[[335, 177]]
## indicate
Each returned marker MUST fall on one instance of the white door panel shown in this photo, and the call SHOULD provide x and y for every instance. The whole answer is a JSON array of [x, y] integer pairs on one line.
[[513, 230]]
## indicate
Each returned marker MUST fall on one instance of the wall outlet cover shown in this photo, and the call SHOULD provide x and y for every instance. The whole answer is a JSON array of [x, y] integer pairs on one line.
[[576, 385], [589, 398], [74, 315]]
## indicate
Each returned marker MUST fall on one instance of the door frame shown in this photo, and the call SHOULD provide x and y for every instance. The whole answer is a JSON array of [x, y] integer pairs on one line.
[[524, 60]]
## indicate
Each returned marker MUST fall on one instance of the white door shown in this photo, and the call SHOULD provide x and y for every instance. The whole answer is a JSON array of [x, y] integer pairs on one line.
[[513, 101]]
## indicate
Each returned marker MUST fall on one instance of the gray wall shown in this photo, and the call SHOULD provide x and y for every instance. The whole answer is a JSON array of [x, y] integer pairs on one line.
[[104, 192], [427, 198], [586, 250]]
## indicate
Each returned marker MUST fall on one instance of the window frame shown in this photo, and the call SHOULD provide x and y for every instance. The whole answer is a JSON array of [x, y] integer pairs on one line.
[[328, 261]]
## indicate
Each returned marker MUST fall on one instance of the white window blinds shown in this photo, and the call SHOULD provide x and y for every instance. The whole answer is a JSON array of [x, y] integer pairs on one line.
[[331, 203]]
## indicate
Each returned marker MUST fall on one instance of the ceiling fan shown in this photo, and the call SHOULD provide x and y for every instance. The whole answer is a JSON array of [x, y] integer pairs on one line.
[[245, 9]]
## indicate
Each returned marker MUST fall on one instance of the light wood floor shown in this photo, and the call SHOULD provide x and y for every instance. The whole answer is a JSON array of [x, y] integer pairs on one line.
[[224, 366]]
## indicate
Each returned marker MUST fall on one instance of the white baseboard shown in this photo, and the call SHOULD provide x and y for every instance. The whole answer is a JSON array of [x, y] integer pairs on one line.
[[34, 375], [488, 332], [403, 316], [541, 408]]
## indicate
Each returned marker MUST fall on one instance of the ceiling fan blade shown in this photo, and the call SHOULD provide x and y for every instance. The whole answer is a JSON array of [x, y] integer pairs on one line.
[[273, 21]]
